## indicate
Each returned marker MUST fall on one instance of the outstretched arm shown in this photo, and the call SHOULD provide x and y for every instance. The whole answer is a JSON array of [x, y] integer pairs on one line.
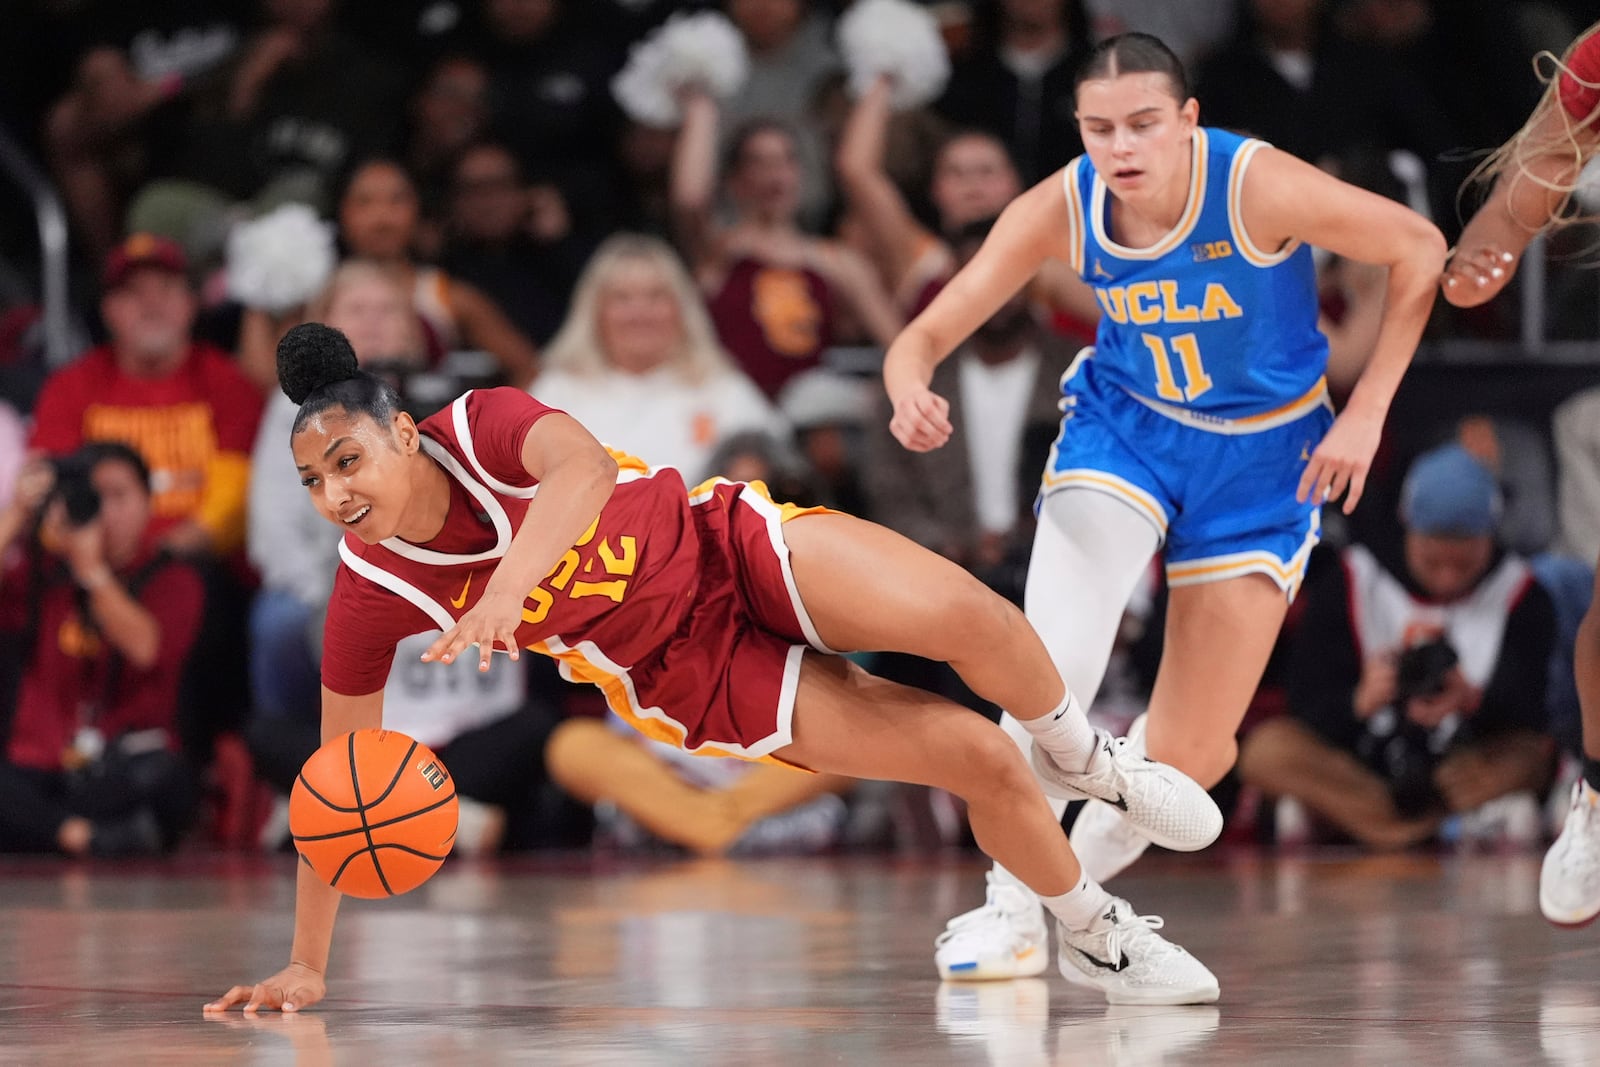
[[1032, 229], [316, 904], [693, 180], [873, 198], [1539, 169], [1286, 199], [576, 477]]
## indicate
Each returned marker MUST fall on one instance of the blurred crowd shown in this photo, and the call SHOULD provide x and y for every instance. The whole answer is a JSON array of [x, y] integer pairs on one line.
[[708, 283]]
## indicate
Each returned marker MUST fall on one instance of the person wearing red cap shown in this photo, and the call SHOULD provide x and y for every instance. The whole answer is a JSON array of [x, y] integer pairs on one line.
[[181, 403]]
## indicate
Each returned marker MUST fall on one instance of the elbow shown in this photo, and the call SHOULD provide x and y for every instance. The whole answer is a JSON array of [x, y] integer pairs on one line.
[[1430, 250], [606, 469], [144, 652]]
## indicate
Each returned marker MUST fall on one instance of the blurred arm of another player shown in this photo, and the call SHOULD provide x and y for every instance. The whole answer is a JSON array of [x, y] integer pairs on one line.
[[1533, 175], [1032, 229], [316, 905]]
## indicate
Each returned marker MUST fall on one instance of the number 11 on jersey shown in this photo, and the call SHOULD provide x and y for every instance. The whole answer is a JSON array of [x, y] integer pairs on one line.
[[1195, 379]]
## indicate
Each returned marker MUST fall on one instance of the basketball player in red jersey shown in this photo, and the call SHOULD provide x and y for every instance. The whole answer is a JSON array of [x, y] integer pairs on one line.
[[702, 614], [1534, 175]]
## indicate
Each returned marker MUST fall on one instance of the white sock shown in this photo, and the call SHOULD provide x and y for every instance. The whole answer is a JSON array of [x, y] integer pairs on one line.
[[1079, 908], [1064, 732]]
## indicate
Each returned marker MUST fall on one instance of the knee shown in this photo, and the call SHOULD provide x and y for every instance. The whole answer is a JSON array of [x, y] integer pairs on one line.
[[981, 619], [991, 764]]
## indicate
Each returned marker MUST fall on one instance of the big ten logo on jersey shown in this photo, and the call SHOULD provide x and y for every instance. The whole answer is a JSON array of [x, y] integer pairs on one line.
[[1147, 303], [1206, 251], [616, 561], [435, 774]]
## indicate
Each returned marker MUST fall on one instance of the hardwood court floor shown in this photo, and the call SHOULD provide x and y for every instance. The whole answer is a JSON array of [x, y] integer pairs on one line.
[[1323, 960]]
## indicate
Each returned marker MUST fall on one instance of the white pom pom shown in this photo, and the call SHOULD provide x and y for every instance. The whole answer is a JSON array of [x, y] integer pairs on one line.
[[280, 260], [703, 49], [897, 38]]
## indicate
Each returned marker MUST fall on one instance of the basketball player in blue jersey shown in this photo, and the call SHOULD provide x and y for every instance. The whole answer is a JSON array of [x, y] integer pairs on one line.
[[1198, 422]]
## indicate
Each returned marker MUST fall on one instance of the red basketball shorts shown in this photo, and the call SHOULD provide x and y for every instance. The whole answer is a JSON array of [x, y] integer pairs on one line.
[[724, 683]]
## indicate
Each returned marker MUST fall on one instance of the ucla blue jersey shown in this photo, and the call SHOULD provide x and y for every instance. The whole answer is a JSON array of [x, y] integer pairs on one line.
[[1202, 325]]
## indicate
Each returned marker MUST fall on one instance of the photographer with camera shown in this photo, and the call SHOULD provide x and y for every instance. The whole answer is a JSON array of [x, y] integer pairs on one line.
[[1417, 690], [103, 621]]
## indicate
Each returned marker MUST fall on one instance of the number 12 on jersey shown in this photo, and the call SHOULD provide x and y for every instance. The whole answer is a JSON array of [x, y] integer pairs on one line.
[[1195, 379]]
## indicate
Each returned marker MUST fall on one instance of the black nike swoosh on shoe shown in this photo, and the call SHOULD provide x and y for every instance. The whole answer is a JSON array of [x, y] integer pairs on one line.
[[1102, 964], [1121, 803]]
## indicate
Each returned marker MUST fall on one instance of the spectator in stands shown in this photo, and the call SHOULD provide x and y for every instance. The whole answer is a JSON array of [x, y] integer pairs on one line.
[[490, 731], [181, 404], [973, 179], [792, 66], [551, 101], [1417, 690], [280, 123], [1017, 82], [379, 217], [1288, 78], [638, 363], [449, 113], [1191, 28], [515, 242], [105, 621], [293, 550], [140, 73], [778, 296]]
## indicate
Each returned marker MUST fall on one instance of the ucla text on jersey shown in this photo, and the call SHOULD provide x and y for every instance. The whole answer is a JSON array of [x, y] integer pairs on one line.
[[1202, 325]]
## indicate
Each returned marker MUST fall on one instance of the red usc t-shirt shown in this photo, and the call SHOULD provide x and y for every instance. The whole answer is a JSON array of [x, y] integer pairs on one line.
[[179, 423], [775, 321], [620, 592]]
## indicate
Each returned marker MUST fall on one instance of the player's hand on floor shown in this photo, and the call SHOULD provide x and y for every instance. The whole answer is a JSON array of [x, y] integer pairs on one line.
[[921, 420], [492, 621], [1340, 463], [1474, 275], [294, 988]]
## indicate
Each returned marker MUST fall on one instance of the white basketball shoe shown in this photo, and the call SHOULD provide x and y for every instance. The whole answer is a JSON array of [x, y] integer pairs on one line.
[[1161, 803], [1005, 938], [1105, 841], [1121, 955], [1569, 882]]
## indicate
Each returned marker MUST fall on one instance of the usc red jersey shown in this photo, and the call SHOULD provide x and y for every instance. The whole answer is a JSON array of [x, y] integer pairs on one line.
[[680, 606], [641, 550]]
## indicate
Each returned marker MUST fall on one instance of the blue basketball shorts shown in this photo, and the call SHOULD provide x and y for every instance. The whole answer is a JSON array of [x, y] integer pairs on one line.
[[1220, 493]]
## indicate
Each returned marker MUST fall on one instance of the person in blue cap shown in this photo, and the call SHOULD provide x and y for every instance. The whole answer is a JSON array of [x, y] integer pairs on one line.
[[1417, 684]]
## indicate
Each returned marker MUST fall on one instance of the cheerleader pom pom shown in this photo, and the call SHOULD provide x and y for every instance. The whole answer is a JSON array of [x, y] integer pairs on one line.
[[897, 38], [280, 260], [702, 49]]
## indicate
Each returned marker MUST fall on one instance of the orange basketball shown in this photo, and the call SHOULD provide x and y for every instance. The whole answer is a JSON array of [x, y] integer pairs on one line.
[[373, 813]]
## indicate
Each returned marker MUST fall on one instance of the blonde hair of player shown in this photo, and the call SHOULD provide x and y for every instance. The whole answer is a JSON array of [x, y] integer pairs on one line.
[[1551, 147], [577, 347]]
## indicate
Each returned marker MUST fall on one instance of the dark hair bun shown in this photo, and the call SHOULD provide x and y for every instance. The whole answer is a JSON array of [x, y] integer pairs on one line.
[[311, 356]]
